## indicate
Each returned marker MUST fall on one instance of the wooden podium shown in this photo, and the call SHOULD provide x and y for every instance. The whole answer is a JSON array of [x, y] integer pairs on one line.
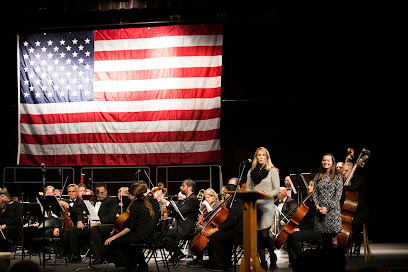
[[250, 261]]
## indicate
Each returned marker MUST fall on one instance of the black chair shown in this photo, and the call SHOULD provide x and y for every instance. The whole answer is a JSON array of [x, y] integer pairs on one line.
[[52, 244]]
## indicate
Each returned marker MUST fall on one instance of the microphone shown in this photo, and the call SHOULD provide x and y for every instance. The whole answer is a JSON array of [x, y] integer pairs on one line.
[[137, 172], [247, 161], [43, 167]]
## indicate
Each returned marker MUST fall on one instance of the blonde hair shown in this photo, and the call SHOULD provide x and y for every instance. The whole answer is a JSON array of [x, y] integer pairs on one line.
[[269, 165], [212, 193]]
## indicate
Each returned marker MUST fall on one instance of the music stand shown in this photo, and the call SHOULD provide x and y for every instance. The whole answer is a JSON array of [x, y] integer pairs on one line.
[[29, 209], [24, 189]]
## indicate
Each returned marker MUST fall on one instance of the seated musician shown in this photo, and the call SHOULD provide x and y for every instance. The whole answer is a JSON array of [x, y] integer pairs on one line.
[[181, 229], [222, 238], [10, 219], [209, 204], [81, 190], [286, 205], [304, 232], [106, 207], [75, 209], [140, 225], [358, 184]]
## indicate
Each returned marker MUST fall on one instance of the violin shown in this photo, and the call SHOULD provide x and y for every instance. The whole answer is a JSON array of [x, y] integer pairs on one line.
[[160, 186], [65, 215]]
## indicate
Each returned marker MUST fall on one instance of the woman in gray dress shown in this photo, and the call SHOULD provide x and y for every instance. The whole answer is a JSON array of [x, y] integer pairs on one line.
[[326, 195], [264, 177]]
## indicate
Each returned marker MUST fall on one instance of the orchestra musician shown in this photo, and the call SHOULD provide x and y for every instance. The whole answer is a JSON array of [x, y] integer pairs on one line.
[[106, 207], [10, 219], [264, 177], [76, 209], [222, 238], [209, 204], [304, 232], [81, 190], [140, 225], [181, 229], [327, 193], [289, 189], [286, 205], [359, 184]]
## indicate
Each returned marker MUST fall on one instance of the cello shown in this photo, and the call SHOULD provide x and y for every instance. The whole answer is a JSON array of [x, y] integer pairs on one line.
[[292, 223], [350, 202], [214, 219]]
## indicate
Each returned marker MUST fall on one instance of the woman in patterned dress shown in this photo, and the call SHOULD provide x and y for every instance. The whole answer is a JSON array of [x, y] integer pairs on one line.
[[264, 177], [326, 195]]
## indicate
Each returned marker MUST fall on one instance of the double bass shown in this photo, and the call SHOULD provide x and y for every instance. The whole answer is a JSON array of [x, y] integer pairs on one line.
[[350, 202]]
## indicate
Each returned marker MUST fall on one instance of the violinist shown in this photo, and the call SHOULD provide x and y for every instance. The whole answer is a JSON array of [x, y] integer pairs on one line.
[[182, 229], [359, 184], [106, 207], [222, 238], [81, 190], [304, 232], [286, 205], [10, 221], [140, 225]]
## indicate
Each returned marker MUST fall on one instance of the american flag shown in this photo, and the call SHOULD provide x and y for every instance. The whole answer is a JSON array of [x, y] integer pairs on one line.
[[136, 96]]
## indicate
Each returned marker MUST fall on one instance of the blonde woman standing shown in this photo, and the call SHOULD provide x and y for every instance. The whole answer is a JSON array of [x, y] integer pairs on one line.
[[264, 177]]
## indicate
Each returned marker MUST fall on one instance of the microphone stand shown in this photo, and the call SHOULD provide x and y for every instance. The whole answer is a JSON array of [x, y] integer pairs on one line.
[[44, 171], [235, 217]]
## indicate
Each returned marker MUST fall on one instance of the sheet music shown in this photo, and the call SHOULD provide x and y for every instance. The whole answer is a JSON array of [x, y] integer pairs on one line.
[[93, 215], [177, 209]]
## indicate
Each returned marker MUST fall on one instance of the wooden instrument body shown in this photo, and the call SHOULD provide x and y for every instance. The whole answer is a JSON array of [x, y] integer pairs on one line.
[[348, 211], [291, 225], [217, 218], [67, 220]]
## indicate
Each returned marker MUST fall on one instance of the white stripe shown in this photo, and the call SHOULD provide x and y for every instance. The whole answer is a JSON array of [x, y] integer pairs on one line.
[[157, 63], [123, 148], [157, 84], [159, 42], [121, 127], [122, 106]]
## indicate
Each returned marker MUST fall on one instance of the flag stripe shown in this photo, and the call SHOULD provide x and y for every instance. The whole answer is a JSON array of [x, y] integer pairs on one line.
[[124, 159], [121, 137], [147, 32], [124, 127], [121, 116], [121, 148], [162, 52], [157, 63], [159, 42], [158, 73], [158, 94], [122, 106]]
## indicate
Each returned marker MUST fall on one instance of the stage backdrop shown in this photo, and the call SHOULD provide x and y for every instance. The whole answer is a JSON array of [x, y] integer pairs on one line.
[[134, 96]]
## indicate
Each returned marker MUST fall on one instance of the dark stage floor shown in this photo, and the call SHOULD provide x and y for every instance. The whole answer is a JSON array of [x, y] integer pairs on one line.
[[393, 255]]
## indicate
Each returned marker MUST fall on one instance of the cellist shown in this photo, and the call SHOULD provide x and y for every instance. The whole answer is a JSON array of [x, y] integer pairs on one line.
[[140, 225]]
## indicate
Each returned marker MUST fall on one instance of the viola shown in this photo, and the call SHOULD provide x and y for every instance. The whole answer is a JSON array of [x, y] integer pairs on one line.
[[350, 202], [65, 215], [292, 223]]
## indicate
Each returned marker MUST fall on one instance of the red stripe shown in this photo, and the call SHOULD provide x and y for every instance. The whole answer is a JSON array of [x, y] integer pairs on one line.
[[159, 53], [158, 31], [146, 137], [158, 94], [120, 116], [122, 159], [159, 73]]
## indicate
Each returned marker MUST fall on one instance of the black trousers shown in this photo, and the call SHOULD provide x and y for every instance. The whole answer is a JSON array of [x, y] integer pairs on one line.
[[220, 248], [294, 240], [75, 237], [99, 234], [8, 231], [123, 254]]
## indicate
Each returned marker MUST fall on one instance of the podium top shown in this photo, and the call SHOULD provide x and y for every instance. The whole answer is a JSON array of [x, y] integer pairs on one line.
[[249, 195]]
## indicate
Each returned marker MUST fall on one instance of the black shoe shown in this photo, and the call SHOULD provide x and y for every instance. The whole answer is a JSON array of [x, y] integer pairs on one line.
[[142, 268], [75, 258], [98, 261]]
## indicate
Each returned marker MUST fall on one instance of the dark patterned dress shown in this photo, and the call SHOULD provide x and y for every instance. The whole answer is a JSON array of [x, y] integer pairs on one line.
[[328, 194]]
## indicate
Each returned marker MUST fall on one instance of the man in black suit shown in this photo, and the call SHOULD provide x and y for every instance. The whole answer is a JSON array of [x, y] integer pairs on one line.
[[107, 208], [181, 229], [286, 205]]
